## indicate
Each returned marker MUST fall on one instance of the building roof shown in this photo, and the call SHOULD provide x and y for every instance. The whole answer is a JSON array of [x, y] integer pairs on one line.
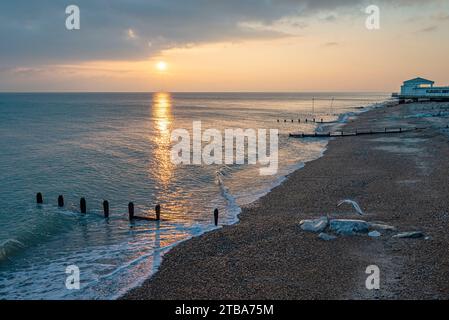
[[419, 80]]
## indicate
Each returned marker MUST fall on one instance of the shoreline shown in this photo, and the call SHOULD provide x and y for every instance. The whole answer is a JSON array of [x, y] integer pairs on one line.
[[254, 258]]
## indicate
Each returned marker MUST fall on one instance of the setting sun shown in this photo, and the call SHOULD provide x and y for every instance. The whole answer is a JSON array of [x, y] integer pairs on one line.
[[161, 66]]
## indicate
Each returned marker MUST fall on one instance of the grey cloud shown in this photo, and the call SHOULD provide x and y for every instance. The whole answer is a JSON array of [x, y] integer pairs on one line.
[[34, 31]]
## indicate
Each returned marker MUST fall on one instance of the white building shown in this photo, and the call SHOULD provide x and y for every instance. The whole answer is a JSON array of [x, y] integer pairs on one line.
[[419, 88]]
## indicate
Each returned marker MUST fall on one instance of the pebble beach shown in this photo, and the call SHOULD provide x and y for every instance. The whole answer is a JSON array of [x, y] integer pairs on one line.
[[397, 179]]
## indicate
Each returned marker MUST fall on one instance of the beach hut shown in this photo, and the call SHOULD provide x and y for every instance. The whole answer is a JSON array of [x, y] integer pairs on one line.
[[420, 88]]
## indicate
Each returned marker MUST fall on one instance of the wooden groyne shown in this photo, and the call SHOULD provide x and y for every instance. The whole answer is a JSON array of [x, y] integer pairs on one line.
[[131, 212], [342, 133], [306, 120]]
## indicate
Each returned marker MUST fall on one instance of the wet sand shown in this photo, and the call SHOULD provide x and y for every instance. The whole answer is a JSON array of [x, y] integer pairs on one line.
[[398, 179]]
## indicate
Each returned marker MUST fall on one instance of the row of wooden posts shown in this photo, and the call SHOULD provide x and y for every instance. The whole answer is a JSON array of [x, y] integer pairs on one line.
[[132, 216], [307, 120], [349, 133]]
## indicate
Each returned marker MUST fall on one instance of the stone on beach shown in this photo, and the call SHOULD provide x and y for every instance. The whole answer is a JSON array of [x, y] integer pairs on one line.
[[410, 235], [349, 226], [314, 225], [374, 234], [381, 226], [326, 237]]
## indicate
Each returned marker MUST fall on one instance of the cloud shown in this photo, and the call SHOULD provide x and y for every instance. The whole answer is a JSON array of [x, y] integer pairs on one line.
[[330, 18], [427, 29], [33, 32], [131, 34], [441, 17], [331, 44]]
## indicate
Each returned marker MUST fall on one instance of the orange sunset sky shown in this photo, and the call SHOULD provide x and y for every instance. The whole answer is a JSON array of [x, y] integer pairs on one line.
[[223, 46]]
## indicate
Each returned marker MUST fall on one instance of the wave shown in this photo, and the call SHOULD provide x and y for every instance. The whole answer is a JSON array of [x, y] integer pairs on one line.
[[9, 247], [224, 191]]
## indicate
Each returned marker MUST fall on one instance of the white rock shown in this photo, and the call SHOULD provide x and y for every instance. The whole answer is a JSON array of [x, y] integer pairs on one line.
[[326, 237], [381, 226], [354, 204], [411, 234], [314, 225], [348, 226], [374, 234]]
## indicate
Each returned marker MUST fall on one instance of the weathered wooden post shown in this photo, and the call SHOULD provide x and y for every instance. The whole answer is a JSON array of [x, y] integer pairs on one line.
[[216, 217], [39, 198], [106, 208], [83, 205], [131, 210], [158, 212], [60, 201]]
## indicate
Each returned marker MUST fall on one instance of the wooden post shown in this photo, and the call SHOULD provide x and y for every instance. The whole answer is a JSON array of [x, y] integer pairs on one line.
[[400, 129], [39, 198], [158, 212], [60, 201], [106, 208], [216, 217], [83, 205], [321, 120], [131, 210], [313, 104]]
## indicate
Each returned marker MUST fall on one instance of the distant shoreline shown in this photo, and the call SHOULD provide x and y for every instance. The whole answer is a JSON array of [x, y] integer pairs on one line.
[[267, 256]]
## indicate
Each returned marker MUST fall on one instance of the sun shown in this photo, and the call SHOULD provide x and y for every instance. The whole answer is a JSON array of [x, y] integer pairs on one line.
[[161, 66]]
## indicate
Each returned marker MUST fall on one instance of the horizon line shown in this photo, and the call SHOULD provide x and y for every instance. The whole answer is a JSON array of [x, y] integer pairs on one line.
[[163, 91]]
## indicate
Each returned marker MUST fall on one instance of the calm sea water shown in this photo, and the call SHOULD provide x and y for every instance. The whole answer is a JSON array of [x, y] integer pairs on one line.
[[117, 147]]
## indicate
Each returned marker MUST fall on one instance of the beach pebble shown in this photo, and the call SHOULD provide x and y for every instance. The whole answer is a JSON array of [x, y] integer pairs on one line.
[[326, 237], [411, 234], [354, 204], [348, 226], [374, 234], [380, 226], [314, 225]]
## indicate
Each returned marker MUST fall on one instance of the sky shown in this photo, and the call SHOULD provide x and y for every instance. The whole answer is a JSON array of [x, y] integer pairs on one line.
[[221, 45]]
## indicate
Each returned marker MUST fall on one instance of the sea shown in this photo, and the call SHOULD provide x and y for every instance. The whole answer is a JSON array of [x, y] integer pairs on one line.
[[117, 147]]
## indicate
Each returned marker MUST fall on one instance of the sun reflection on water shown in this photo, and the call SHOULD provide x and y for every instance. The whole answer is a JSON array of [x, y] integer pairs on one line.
[[162, 116], [176, 203]]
